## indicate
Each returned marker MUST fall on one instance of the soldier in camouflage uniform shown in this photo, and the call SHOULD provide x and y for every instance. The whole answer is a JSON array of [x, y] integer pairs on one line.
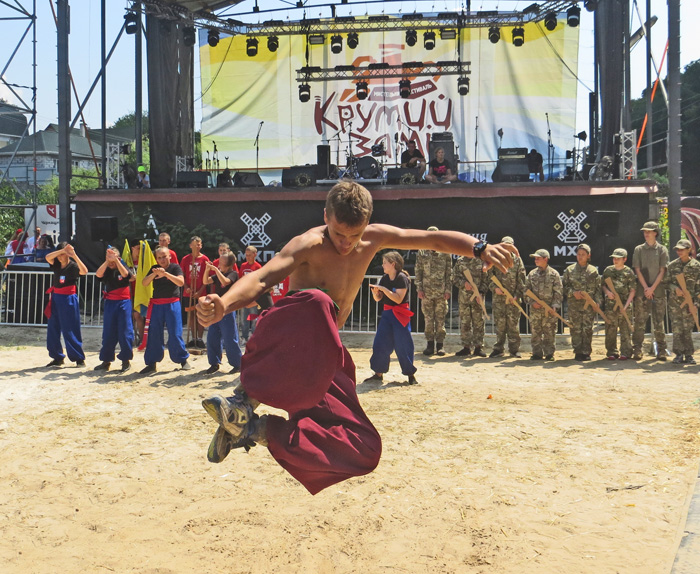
[[433, 276], [580, 278], [625, 284], [471, 315], [506, 316], [545, 283], [682, 320]]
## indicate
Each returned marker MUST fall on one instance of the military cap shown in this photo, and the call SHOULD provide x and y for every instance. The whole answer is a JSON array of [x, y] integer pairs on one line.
[[540, 253], [683, 244], [507, 239], [433, 228], [619, 252], [585, 247], [650, 226]]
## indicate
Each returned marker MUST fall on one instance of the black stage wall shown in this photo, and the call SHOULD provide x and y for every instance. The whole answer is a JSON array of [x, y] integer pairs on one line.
[[552, 216]]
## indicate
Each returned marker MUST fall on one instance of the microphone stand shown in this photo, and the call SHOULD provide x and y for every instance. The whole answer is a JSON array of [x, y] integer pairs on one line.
[[476, 149], [550, 149], [257, 146]]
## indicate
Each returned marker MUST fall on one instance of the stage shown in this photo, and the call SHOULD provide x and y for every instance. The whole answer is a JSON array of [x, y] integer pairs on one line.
[[551, 215]]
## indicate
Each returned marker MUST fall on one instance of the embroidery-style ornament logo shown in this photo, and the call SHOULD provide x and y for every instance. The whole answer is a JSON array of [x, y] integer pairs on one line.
[[571, 231], [256, 235]]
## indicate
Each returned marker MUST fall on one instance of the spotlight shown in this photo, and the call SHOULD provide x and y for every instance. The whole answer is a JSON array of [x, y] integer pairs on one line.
[[411, 37], [590, 5], [448, 34], [518, 37], [188, 36], [336, 44], [405, 88], [362, 90], [316, 39], [213, 37], [494, 35], [550, 21], [581, 136], [573, 16], [251, 47], [353, 40], [131, 23], [463, 85], [304, 93], [273, 42], [429, 40]]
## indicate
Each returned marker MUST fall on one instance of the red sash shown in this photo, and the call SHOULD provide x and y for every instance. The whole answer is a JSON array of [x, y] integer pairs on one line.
[[70, 290], [164, 301], [402, 313], [119, 294]]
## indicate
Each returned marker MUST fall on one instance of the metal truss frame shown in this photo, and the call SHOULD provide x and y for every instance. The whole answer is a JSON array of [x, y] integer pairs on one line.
[[382, 70]]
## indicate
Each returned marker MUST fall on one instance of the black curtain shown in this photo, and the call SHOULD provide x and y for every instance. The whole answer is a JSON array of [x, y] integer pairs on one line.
[[170, 98]]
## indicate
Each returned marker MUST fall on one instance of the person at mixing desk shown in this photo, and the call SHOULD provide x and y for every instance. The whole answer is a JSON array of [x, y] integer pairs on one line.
[[412, 157]]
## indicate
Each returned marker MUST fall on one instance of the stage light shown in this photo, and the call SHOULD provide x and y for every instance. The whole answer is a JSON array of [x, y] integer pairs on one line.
[[188, 36], [213, 37], [448, 34], [494, 35], [590, 5], [304, 93], [336, 44], [429, 40], [573, 16], [131, 23], [518, 37], [353, 40], [581, 136], [362, 90], [316, 39], [405, 88], [411, 37], [550, 21], [463, 85], [273, 42], [251, 47]]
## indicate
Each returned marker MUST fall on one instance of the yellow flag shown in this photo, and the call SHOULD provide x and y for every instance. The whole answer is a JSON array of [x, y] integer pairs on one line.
[[146, 260], [126, 254]]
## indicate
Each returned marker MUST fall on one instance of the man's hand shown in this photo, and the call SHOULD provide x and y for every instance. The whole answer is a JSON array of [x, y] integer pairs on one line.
[[578, 295], [69, 250], [468, 286], [421, 294], [210, 310], [159, 272], [499, 255], [648, 292]]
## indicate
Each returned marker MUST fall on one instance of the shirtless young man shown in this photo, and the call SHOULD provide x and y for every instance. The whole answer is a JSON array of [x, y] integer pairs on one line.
[[328, 437]]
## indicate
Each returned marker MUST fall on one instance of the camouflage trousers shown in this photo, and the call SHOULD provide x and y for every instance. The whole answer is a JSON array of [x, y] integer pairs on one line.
[[471, 319], [506, 319], [643, 308], [544, 330], [682, 323], [581, 327], [434, 311], [618, 323]]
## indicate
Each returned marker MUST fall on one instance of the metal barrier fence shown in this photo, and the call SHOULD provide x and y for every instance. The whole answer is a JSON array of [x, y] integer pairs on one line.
[[23, 298]]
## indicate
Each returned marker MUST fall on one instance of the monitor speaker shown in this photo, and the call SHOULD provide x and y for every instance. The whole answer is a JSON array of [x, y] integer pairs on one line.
[[511, 170], [606, 223], [192, 179], [247, 179], [103, 228], [299, 176], [404, 175]]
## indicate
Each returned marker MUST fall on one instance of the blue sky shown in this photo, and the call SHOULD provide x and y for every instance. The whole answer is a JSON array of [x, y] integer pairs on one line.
[[85, 51]]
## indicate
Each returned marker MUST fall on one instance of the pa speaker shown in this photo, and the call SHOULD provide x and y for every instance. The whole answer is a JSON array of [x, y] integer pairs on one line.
[[323, 160], [103, 228], [449, 148], [404, 175], [511, 170], [247, 179], [299, 176], [192, 179], [606, 223]]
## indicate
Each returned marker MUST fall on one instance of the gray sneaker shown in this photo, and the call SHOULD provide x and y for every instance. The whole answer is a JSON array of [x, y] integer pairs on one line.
[[223, 443], [233, 413]]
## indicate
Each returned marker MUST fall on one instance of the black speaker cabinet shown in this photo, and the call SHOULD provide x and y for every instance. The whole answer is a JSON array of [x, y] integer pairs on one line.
[[606, 223], [404, 175], [449, 148], [103, 228], [247, 179], [192, 179], [323, 160], [511, 170], [299, 176]]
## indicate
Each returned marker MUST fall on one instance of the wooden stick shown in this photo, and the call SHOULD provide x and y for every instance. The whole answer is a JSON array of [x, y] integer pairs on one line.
[[618, 302], [475, 294], [688, 300], [509, 298], [547, 308], [591, 302]]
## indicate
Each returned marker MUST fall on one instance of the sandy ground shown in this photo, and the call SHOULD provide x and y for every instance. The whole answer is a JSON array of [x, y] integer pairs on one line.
[[493, 466]]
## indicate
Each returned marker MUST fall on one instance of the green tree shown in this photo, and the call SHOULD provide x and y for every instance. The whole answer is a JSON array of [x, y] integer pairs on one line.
[[129, 120]]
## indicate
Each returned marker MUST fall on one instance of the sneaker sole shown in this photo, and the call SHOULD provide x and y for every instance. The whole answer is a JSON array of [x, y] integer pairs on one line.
[[215, 408]]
